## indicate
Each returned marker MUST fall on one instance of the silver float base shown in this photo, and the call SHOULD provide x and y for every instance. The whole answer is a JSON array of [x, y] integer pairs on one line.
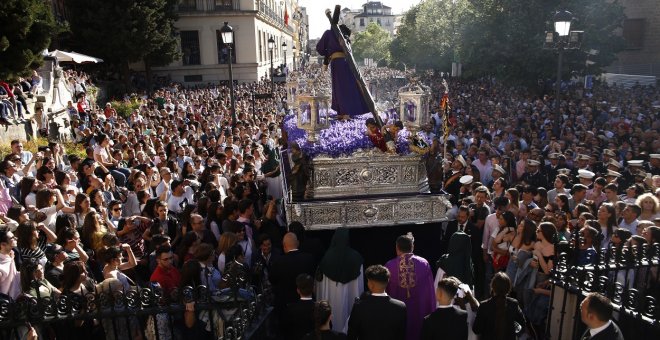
[[368, 212], [366, 174]]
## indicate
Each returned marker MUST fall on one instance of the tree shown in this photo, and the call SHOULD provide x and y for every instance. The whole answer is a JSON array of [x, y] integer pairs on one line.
[[429, 34], [504, 38], [26, 28], [372, 43], [125, 31]]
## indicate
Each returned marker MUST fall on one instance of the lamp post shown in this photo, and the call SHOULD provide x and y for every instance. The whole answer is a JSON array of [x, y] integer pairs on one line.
[[228, 39], [284, 50], [271, 46], [562, 38], [293, 52]]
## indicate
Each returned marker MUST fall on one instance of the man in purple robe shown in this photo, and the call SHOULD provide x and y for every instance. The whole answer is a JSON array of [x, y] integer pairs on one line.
[[412, 283], [347, 99]]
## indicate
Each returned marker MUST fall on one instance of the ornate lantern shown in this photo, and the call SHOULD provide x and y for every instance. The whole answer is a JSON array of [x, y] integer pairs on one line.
[[292, 91], [313, 114], [414, 99]]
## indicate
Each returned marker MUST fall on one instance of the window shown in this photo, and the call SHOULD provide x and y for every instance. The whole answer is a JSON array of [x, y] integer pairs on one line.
[[261, 49], [223, 50], [378, 22], [633, 33], [361, 22], [190, 47], [188, 5], [224, 5]]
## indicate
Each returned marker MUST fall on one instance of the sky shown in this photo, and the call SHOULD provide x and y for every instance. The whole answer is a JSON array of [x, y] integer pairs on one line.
[[318, 22]]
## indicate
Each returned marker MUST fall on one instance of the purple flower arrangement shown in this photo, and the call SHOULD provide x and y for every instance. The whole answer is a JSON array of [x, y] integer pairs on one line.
[[341, 138]]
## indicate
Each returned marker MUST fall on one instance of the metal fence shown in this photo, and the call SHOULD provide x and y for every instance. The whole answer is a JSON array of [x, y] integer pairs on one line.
[[627, 275], [142, 313]]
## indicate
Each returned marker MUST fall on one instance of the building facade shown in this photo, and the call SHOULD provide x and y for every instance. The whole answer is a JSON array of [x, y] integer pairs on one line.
[[205, 56], [372, 11], [641, 31]]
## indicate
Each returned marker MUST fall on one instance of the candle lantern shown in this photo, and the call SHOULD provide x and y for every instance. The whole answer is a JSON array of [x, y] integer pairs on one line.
[[414, 109], [313, 114]]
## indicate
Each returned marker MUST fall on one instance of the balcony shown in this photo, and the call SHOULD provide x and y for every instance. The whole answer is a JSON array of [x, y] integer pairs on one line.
[[197, 6], [269, 14]]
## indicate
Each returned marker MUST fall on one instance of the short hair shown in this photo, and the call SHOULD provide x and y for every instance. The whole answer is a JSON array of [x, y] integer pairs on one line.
[[635, 208], [203, 252], [579, 188], [378, 273], [263, 238], [162, 249], [501, 202], [113, 203], [305, 284], [405, 242], [482, 189], [591, 231], [600, 306], [465, 209], [564, 179], [3, 236], [601, 181], [530, 189], [449, 285], [244, 205], [611, 186]]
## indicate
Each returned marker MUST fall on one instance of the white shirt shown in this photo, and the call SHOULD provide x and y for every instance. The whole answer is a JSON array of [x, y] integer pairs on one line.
[[491, 225], [176, 204], [594, 331], [162, 186], [632, 227]]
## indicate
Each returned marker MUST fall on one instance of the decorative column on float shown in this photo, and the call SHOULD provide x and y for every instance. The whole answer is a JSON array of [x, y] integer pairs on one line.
[[414, 98]]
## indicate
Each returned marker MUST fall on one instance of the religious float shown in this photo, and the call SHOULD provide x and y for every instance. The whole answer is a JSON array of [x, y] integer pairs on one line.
[[334, 176]]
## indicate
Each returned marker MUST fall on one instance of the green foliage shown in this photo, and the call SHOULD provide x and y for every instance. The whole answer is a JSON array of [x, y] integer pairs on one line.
[[372, 43], [26, 28], [125, 31], [125, 108], [505, 37], [33, 145]]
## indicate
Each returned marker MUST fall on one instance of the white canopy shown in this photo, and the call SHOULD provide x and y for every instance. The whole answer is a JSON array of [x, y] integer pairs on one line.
[[74, 57]]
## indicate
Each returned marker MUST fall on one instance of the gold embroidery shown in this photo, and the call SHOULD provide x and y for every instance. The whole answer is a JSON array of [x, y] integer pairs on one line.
[[407, 273]]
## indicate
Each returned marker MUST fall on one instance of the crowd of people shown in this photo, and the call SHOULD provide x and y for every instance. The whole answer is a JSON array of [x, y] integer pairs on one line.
[[180, 193]]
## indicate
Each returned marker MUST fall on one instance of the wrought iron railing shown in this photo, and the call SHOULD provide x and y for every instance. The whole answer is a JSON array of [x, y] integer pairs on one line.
[[142, 312], [628, 276]]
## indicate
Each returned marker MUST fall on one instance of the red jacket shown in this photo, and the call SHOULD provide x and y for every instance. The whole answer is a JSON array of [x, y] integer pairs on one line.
[[168, 279]]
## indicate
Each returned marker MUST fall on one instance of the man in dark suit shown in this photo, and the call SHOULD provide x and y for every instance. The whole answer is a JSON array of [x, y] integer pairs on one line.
[[300, 319], [285, 269], [446, 322], [596, 313], [375, 315]]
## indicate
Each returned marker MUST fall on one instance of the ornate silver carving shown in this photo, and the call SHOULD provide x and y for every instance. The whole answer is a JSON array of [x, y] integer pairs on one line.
[[366, 173], [360, 213]]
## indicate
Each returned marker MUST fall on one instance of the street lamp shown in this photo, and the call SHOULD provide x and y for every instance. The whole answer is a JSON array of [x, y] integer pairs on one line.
[[284, 49], [271, 46], [227, 34], [562, 38]]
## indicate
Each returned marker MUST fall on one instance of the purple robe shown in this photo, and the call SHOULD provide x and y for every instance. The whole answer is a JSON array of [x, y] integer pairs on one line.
[[346, 96], [411, 281]]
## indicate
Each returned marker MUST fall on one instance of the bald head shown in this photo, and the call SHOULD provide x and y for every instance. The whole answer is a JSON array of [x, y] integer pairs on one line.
[[289, 242]]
